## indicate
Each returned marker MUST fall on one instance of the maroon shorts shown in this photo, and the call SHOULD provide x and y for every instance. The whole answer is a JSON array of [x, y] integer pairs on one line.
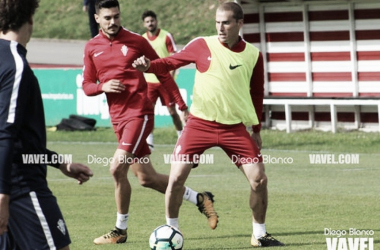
[[132, 135], [157, 90], [199, 135]]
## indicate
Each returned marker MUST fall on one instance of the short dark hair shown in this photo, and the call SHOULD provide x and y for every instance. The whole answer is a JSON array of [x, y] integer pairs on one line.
[[106, 4], [234, 7], [14, 13], [148, 13]]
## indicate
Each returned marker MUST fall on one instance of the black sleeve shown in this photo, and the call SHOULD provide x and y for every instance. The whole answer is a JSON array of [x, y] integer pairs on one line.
[[6, 149], [8, 124], [50, 153]]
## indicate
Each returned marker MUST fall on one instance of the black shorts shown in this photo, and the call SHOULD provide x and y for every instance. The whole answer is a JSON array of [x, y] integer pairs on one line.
[[35, 222]]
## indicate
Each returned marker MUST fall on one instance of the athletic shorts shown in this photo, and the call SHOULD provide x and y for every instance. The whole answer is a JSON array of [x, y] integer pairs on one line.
[[199, 135], [156, 90], [35, 222], [132, 134]]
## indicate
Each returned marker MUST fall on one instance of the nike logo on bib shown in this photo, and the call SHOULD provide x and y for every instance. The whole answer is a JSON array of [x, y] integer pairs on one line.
[[235, 66]]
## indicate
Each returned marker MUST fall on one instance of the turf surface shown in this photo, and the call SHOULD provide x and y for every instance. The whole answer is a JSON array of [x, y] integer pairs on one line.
[[304, 199]]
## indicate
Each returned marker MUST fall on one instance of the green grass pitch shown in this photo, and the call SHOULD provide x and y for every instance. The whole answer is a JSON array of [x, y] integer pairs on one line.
[[304, 198]]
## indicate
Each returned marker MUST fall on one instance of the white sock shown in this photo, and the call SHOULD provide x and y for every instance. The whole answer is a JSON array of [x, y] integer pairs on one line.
[[122, 221], [258, 230], [179, 132], [149, 139], [172, 222], [190, 195]]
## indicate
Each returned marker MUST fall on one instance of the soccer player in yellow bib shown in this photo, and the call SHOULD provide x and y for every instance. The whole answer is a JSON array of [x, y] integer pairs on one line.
[[228, 96], [164, 45]]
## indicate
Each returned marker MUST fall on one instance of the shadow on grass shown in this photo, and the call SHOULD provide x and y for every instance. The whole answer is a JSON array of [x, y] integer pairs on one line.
[[300, 233], [245, 237]]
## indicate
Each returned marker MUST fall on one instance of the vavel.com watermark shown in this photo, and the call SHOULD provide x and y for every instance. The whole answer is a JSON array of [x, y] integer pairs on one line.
[[351, 239], [334, 158], [46, 159], [194, 159], [235, 159]]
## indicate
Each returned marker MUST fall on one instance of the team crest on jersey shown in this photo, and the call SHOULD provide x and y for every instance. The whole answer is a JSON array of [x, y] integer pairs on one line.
[[61, 226], [124, 50]]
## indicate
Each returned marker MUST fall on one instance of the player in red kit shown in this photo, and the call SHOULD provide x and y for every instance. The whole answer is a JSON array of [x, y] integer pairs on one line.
[[108, 59], [163, 43], [228, 96]]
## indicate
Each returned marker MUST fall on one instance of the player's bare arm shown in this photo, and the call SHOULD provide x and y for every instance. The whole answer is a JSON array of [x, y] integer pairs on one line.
[[4, 213], [185, 115], [76, 171], [257, 138], [113, 86], [141, 64]]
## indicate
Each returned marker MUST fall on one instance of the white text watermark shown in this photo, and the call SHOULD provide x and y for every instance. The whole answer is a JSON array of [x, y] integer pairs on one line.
[[185, 158], [47, 159], [122, 159], [266, 159], [351, 239], [334, 158]]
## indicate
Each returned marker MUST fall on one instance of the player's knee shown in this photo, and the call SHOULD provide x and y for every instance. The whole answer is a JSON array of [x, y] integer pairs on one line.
[[176, 185], [260, 183], [116, 173], [119, 171], [147, 180]]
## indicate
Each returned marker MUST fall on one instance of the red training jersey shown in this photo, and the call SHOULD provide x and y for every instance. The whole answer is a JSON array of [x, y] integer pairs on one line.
[[106, 59]]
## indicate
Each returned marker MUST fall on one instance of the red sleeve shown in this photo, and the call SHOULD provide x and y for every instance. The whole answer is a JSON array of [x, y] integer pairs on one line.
[[89, 84], [195, 51], [257, 90], [173, 90], [164, 77], [170, 44]]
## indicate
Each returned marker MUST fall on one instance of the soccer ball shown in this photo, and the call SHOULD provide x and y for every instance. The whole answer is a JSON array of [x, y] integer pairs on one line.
[[166, 237]]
